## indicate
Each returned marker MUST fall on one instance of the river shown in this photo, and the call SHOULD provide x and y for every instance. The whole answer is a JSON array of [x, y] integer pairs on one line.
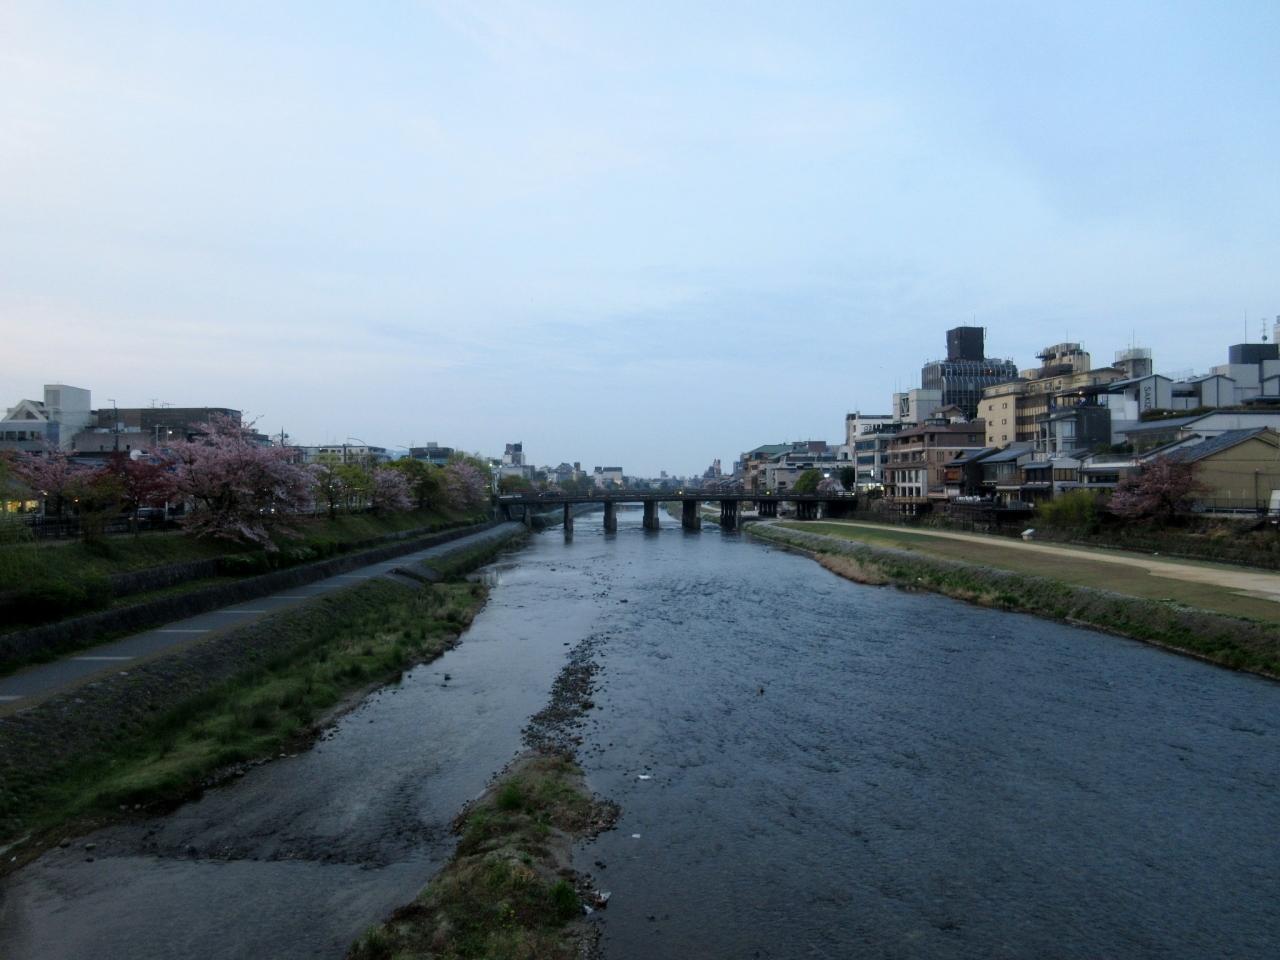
[[806, 768]]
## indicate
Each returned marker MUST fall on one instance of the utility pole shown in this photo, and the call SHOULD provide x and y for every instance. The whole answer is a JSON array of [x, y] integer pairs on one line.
[[115, 423]]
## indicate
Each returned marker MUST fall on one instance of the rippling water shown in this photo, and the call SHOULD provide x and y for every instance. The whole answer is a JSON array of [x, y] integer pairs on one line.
[[845, 771], [834, 771]]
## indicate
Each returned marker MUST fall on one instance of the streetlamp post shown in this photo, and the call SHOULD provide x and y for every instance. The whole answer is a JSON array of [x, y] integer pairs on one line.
[[115, 423]]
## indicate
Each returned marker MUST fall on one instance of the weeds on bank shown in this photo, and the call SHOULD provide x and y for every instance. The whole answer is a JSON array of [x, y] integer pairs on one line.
[[368, 633], [505, 895], [1230, 641]]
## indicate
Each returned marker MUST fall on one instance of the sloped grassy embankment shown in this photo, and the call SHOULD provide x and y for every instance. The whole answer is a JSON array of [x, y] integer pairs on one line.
[[169, 728], [1235, 642], [43, 582]]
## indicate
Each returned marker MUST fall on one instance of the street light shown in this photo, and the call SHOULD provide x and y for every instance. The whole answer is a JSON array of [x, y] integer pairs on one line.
[[357, 440], [115, 423]]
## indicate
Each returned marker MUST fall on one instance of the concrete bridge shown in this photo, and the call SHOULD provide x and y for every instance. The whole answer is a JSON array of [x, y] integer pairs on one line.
[[808, 506]]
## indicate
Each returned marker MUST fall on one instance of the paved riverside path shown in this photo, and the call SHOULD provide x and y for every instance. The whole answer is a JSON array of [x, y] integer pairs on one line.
[[30, 686], [1263, 585]]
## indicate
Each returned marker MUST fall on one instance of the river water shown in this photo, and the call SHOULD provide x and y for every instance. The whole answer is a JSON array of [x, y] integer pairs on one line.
[[806, 767]]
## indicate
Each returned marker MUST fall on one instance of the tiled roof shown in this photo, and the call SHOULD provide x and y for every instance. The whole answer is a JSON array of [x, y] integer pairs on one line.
[[1009, 453], [1208, 447]]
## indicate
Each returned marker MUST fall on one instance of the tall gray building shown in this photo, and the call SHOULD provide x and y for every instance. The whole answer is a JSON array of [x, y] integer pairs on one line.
[[966, 371]]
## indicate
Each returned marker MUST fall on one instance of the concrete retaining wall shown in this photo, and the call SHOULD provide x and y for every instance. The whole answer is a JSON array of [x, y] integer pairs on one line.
[[157, 578]]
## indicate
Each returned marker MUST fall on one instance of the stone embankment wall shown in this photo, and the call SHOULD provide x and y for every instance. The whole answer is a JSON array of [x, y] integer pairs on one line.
[[24, 645]]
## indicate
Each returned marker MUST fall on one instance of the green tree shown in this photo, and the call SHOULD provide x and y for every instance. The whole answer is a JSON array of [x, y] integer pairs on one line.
[[808, 481], [357, 485], [848, 477], [426, 482], [328, 482], [514, 485], [1071, 510]]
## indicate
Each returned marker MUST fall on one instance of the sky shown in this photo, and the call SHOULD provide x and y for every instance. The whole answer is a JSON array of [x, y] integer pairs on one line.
[[642, 235]]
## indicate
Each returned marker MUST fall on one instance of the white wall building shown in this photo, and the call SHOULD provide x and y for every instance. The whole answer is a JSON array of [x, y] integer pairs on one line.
[[916, 405], [55, 420]]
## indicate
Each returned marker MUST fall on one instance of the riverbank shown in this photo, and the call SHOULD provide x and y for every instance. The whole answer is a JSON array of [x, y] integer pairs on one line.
[[158, 734], [46, 582], [190, 597], [510, 889], [1230, 641]]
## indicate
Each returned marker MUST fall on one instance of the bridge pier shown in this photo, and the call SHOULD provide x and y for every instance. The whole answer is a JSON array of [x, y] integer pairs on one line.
[[728, 514], [767, 508], [690, 517], [610, 517], [806, 510], [568, 521], [650, 515]]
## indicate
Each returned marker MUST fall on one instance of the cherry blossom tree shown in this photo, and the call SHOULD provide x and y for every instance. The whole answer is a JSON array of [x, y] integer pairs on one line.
[[142, 483], [1162, 489], [389, 491], [52, 476], [466, 485], [238, 489]]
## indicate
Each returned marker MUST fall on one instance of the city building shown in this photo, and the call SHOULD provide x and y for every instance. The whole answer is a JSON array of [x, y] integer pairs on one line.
[[916, 405], [125, 429], [871, 453], [753, 464], [514, 464], [33, 425], [781, 472], [608, 477], [432, 453], [915, 474], [966, 372], [1148, 435], [1239, 470], [1021, 410], [359, 453]]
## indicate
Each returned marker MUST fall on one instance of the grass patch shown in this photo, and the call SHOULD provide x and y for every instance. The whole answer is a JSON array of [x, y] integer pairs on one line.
[[460, 562], [508, 893], [319, 654], [42, 582], [1076, 566], [1231, 641]]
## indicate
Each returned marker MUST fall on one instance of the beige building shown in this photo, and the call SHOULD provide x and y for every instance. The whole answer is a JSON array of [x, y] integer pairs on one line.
[[1239, 469], [1015, 412]]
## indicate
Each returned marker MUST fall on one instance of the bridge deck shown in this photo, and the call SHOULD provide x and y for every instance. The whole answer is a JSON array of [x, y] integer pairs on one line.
[[700, 496]]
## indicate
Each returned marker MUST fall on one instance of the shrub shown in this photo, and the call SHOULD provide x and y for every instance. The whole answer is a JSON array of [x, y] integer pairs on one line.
[[1075, 510]]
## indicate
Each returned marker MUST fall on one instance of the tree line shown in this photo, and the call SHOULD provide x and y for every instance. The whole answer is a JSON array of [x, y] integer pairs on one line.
[[232, 487]]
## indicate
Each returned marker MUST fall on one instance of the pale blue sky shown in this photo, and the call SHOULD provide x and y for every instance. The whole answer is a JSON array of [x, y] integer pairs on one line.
[[636, 234]]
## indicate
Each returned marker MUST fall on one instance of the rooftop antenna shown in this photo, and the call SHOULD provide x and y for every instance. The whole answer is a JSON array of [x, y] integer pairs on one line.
[[1263, 324]]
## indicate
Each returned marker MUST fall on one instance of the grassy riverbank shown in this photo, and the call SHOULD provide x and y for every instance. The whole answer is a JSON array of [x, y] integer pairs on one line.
[[41, 582], [303, 663], [1099, 569], [509, 892], [1232, 641]]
